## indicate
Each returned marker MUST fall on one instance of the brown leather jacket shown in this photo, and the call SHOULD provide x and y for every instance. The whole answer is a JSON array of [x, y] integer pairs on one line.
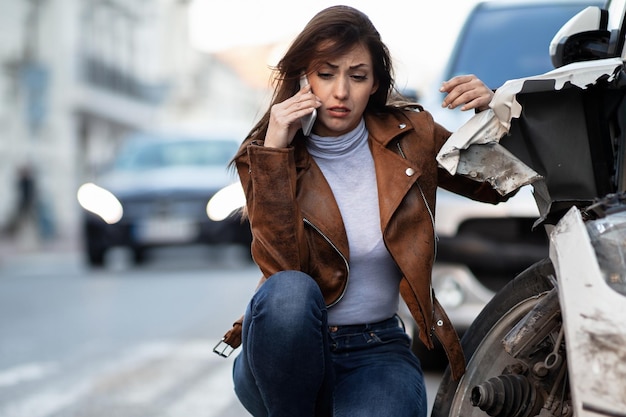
[[296, 224]]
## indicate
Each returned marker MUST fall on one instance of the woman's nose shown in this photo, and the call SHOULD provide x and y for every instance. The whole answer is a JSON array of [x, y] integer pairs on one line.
[[341, 89]]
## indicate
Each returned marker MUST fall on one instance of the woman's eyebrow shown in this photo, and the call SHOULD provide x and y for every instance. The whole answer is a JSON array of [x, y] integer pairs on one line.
[[357, 66]]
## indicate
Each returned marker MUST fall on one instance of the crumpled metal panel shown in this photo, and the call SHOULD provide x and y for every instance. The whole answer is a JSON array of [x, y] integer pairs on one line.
[[489, 126], [498, 167]]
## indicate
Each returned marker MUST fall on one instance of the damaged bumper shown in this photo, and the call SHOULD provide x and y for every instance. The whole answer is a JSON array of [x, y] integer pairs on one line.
[[595, 332]]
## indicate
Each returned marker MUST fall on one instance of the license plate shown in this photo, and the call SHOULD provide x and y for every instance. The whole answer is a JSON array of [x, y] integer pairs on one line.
[[166, 231]]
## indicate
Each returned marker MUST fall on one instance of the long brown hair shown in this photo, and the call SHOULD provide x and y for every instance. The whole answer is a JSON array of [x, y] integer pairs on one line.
[[330, 33]]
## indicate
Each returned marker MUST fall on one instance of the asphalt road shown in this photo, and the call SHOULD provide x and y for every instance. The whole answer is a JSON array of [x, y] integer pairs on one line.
[[124, 340]]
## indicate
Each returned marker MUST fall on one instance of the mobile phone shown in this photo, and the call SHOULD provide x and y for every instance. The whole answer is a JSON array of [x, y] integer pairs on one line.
[[308, 120]]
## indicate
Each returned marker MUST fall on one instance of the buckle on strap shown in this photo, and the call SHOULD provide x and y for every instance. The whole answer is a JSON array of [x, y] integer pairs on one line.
[[223, 351]]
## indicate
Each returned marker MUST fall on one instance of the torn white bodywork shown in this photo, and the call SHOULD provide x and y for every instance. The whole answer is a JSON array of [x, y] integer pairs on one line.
[[488, 127], [594, 317], [498, 167]]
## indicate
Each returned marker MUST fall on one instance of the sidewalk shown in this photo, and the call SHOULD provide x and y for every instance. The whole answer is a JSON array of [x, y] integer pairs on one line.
[[27, 249]]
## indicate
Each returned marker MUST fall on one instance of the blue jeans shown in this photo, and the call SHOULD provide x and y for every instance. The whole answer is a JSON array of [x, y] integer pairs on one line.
[[292, 364]]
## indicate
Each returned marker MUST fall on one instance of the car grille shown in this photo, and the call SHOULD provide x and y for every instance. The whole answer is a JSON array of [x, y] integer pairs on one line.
[[193, 208]]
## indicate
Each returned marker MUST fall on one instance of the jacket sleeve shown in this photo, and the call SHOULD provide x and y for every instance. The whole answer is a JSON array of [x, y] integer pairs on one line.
[[268, 177]]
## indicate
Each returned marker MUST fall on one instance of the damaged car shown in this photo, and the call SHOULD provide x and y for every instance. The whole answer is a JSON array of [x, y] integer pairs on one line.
[[552, 342], [481, 247]]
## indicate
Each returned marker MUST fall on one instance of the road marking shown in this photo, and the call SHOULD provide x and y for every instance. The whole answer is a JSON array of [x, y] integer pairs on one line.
[[44, 404], [186, 378], [209, 397], [26, 372]]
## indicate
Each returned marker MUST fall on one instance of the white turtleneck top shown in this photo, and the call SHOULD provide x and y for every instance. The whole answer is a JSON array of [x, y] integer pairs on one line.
[[372, 293]]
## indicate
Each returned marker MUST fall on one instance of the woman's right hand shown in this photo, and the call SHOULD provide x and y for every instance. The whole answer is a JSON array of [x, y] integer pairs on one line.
[[285, 117]]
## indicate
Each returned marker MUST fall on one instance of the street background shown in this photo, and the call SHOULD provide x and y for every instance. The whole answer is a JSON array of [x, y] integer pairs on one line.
[[78, 76]]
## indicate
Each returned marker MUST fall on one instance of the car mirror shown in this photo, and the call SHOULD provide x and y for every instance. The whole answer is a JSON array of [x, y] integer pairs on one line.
[[583, 38]]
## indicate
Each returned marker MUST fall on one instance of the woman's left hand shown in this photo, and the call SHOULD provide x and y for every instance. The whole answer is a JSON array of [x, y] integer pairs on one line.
[[467, 91]]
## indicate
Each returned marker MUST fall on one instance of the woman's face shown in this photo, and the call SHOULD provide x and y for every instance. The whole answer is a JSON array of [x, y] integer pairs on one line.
[[344, 85]]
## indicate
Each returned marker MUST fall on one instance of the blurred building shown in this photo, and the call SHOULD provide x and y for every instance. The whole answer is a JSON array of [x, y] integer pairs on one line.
[[78, 75]]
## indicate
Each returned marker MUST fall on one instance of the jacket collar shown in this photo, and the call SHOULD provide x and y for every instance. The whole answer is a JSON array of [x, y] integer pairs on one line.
[[383, 128], [395, 174]]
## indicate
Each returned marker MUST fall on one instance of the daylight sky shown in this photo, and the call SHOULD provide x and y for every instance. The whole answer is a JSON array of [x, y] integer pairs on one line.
[[418, 33]]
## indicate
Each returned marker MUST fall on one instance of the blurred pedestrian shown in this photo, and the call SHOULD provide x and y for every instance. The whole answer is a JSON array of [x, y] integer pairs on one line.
[[30, 210], [25, 207], [343, 223]]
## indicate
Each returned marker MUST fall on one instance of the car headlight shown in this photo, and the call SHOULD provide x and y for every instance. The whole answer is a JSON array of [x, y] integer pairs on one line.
[[608, 237], [100, 202], [225, 202], [449, 292]]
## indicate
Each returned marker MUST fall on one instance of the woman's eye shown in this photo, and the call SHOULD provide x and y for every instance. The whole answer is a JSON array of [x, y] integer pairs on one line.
[[359, 77], [324, 75]]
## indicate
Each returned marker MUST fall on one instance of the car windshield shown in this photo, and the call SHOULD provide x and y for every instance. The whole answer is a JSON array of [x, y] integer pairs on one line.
[[148, 154], [495, 50]]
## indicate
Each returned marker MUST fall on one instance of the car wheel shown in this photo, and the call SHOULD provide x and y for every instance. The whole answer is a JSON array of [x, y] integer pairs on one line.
[[246, 253], [139, 255], [95, 254], [482, 341]]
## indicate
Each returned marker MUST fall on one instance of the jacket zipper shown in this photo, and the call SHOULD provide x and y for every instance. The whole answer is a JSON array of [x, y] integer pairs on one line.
[[345, 261], [435, 236]]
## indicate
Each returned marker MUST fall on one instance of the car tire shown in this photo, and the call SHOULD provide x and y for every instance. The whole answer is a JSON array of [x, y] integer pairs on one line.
[[480, 342], [139, 255], [95, 255]]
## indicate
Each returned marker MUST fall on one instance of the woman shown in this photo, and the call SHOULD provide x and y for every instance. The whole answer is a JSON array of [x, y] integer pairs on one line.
[[342, 223]]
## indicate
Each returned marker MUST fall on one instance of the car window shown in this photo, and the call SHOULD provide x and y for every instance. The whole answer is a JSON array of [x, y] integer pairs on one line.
[[498, 44], [141, 155]]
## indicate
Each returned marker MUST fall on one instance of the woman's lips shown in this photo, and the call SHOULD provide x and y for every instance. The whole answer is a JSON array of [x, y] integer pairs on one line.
[[338, 111]]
